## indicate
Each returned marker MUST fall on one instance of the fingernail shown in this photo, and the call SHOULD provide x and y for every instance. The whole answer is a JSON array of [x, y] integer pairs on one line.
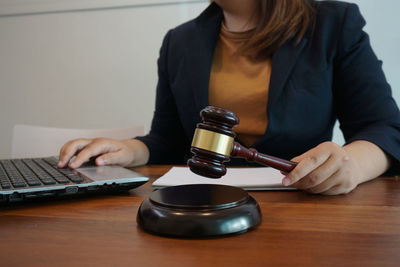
[[100, 162], [73, 165], [286, 181]]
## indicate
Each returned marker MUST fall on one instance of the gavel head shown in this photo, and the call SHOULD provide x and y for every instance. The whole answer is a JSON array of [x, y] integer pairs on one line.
[[213, 142]]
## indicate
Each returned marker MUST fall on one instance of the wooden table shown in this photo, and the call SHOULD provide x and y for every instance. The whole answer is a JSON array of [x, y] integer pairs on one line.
[[298, 229]]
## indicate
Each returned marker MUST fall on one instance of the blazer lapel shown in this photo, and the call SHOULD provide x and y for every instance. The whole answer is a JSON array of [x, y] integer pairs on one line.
[[200, 51], [283, 62]]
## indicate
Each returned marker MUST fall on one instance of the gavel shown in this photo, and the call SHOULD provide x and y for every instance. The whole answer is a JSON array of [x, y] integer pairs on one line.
[[214, 143]]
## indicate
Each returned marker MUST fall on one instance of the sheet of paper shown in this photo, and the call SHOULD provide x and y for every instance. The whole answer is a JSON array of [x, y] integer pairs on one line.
[[262, 178]]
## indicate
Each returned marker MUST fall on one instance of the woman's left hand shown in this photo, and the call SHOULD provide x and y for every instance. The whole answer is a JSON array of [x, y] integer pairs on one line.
[[327, 169]]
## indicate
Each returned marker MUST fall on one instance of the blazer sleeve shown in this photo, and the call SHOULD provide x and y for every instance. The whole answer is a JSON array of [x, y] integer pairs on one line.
[[364, 103], [166, 140]]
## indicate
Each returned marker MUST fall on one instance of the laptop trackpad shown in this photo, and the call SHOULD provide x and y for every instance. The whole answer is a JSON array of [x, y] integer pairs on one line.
[[103, 173]]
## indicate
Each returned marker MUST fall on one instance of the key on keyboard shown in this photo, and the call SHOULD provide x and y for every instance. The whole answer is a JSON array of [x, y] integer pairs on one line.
[[20, 173]]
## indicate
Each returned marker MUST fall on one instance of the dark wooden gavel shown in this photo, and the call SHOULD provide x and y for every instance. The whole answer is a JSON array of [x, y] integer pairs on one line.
[[213, 144]]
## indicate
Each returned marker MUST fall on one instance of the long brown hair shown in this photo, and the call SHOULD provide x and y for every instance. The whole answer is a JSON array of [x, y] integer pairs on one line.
[[279, 21]]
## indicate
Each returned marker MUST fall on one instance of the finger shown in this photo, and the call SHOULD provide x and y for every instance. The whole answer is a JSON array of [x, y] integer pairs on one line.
[[345, 186], [305, 166], [321, 173], [299, 158], [111, 158], [335, 190], [325, 185], [91, 150], [69, 149]]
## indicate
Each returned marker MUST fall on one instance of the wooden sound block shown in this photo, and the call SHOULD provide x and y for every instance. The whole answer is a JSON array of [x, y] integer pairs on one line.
[[198, 210]]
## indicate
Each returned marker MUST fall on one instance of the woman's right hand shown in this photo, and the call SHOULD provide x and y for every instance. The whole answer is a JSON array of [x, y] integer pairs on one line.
[[127, 153]]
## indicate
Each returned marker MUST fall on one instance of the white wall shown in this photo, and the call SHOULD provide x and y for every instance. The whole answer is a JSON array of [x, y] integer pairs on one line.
[[96, 67], [83, 69]]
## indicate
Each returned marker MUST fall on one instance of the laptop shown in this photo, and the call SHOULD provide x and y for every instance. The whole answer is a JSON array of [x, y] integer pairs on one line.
[[29, 178]]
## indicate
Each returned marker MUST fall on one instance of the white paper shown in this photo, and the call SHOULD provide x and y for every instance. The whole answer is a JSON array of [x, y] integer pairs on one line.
[[262, 178]]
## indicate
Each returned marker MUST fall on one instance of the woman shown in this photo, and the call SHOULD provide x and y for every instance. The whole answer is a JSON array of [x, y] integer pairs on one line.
[[289, 69]]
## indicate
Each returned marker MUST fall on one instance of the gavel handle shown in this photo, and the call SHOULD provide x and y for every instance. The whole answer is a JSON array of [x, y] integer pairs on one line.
[[251, 154]]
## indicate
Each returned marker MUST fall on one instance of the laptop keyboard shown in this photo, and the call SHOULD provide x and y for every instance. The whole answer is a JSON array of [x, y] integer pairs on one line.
[[24, 173]]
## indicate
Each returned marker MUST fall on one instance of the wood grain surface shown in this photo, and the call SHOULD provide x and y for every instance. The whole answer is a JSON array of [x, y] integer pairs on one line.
[[298, 229]]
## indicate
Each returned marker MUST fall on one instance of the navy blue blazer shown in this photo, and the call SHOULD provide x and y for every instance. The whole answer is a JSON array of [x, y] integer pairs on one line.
[[331, 74]]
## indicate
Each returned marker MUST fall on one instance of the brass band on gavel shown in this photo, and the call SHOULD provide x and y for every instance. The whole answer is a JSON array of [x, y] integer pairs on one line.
[[212, 141]]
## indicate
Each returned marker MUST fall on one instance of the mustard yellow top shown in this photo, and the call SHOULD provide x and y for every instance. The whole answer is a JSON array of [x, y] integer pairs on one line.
[[240, 85]]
